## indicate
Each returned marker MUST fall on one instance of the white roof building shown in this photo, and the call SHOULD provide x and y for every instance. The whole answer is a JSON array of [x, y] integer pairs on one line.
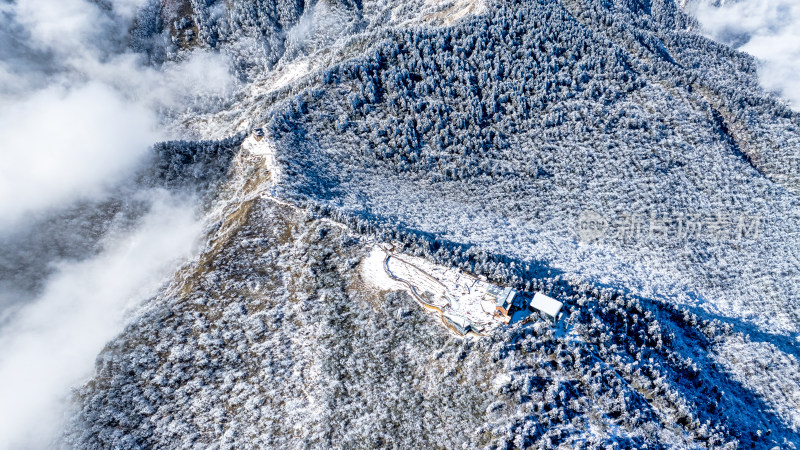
[[547, 305]]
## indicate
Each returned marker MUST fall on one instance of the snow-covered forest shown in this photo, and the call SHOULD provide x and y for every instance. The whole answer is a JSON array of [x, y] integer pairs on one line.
[[604, 153]]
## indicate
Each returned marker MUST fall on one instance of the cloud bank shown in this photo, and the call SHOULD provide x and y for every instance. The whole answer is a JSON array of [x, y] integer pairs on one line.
[[77, 108], [53, 342], [766, 29], [78, 112], [61, 143]]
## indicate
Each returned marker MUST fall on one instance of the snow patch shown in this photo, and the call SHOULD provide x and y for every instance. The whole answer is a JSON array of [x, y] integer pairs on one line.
[[500, 381], [281, 77], [290, 73], [372, 271], [455, 11], [265, 148]]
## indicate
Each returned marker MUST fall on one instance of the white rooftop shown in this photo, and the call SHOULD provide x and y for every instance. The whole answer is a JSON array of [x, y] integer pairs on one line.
[[547, 305], [506, 296]]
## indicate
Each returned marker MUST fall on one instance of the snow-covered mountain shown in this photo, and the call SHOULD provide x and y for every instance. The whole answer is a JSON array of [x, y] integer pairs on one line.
[[604, 153]]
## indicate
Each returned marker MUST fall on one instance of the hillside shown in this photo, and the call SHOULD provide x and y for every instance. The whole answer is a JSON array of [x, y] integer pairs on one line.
[[603, 153]]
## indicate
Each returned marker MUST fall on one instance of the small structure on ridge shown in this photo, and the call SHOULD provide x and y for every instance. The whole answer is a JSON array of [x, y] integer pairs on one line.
[[258, 133]]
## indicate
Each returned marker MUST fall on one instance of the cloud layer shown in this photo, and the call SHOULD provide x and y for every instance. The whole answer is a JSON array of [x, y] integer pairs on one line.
[[766, 29], [77, 109], [61, 143], [53, 342], [78, 112]]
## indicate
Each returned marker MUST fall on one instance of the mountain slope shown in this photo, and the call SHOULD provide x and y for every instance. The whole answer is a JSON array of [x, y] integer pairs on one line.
[[600, 152]]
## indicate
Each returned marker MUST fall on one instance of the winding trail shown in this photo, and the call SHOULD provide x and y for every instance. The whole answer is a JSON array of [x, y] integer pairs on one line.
[[418, 297]]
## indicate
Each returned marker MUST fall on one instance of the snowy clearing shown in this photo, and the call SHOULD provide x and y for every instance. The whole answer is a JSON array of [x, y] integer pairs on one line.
[[465, 303], [262, 146]]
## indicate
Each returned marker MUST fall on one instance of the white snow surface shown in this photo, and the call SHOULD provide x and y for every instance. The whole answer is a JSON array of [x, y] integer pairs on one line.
[[372, 271], [265, 149], [459, 295]]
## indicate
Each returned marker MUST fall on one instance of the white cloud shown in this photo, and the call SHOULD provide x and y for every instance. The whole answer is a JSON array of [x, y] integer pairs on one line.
[[78, 112], [766, 29], [61, 143], [53, 342]]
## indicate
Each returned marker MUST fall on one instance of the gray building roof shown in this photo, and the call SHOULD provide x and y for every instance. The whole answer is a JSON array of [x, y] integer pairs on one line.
[[506, 297]]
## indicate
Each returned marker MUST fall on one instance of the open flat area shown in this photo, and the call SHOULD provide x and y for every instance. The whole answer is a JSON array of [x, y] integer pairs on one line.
[[452, 293]]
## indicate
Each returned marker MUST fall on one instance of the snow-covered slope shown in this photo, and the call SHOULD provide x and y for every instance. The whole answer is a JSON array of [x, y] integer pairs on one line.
[[600, 152]]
